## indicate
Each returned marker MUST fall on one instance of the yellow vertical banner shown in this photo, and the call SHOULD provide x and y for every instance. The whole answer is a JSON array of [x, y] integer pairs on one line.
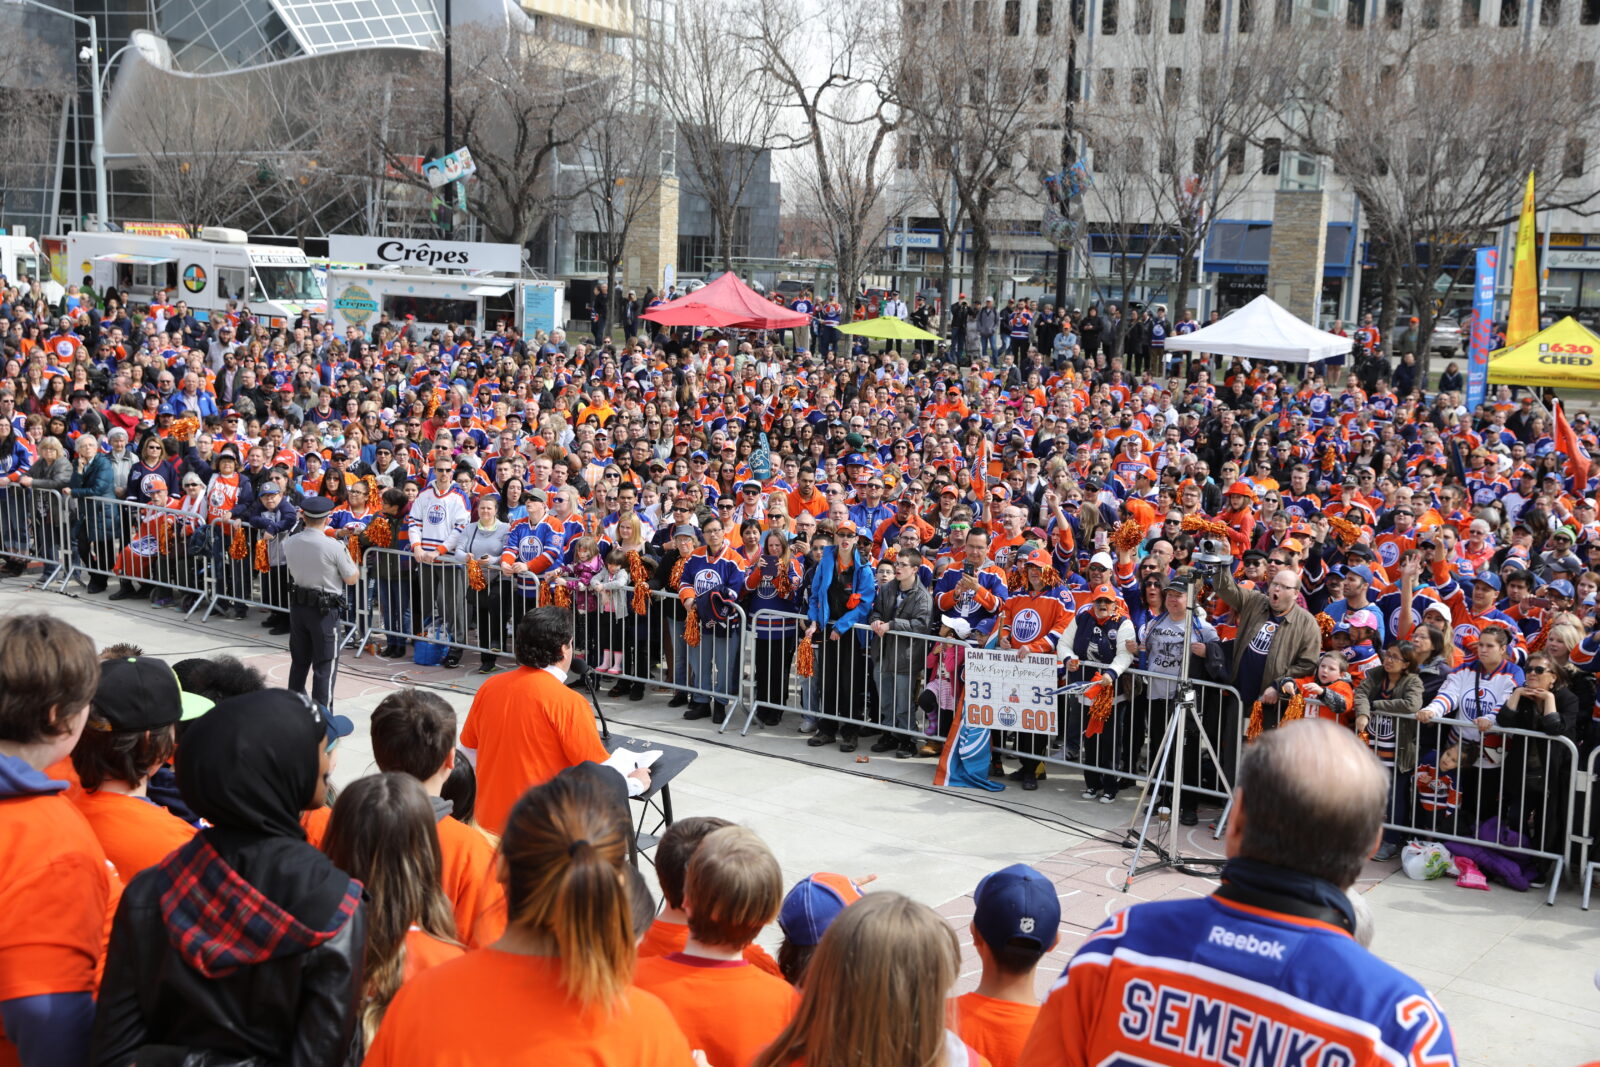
[[1523, 320]]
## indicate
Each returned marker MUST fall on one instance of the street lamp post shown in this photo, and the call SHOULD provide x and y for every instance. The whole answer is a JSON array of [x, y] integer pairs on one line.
[[102, 206]]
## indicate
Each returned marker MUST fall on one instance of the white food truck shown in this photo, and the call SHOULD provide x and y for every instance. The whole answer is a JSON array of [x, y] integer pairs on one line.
[[359, 299], [275, 282], [20, 258]]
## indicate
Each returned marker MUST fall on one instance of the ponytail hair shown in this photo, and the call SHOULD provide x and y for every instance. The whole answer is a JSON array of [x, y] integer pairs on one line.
[[565, 849]]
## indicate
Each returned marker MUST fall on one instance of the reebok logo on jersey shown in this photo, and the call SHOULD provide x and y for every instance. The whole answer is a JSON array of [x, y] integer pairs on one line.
[[1249, 943]]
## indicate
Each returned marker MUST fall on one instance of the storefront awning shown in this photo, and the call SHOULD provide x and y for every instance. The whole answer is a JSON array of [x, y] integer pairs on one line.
[[129, 257], [489, 290]]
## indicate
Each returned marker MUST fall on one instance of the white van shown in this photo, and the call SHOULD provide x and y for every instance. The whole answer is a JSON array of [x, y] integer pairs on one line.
[[275, 282], [20, 258]]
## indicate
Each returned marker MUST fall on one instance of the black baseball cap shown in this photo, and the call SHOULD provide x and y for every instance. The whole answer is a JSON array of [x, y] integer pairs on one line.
[[143, 694]]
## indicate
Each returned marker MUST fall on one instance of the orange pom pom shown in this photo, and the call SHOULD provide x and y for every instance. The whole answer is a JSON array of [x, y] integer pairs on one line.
[[1103, 698], [1326, 624], [1296, 708], [1199, 524], [805, 658], [239, 545], [186, 427], [164, 537], [691, 627], [263, 562], [1253, 730], [476, 579], [380, 533], [1346, 531], [354, 546], [560, 595], [1127, 535]]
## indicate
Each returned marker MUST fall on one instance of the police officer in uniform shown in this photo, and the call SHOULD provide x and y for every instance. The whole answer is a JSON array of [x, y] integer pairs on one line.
[[319, 569]]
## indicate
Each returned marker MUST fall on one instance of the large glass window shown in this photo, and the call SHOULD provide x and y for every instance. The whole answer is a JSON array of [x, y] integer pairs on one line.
[[294, 284]]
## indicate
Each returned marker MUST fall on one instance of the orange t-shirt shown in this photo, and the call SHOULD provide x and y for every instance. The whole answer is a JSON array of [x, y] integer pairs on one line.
[[995, 1029], [497, 1007], [727, 1008], [423, 951], [527, 727], [55, 891], [664, 938], [133, 832], [468, 876]]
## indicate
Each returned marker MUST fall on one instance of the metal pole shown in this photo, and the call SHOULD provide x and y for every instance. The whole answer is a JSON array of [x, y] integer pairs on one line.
[[102, 205], [1068, 157], [447, 215]]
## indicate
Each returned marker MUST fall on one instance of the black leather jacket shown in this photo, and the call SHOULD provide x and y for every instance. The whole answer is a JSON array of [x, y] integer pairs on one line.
[[157, 1011]]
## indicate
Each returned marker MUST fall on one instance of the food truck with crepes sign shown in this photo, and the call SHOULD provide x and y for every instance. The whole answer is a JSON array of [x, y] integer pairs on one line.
[[275, 282], [360, 298]]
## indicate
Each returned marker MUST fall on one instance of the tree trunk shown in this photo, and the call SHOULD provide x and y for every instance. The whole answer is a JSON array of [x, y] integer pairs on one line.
[[980, 261], [612, 306], [1389, 282], [1180, 298]]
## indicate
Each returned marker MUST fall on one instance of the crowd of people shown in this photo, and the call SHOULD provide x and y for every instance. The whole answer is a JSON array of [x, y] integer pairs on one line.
[[181, 884], [695, 496]]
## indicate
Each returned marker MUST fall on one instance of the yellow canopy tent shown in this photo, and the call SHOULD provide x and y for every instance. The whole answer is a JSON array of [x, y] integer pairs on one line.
[[1565, 355]]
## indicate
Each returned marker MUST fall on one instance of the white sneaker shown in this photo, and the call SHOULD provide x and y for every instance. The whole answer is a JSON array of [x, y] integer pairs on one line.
[[1090, 794], [1107, 798]]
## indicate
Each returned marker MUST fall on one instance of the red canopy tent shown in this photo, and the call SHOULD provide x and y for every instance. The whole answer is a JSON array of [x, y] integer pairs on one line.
[[727, 302]]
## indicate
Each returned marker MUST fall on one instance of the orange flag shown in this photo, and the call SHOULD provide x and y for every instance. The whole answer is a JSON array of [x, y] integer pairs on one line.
[[1567, 444]]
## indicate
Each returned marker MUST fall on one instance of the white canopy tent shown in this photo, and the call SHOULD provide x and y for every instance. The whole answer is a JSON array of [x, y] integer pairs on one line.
[[1262, 329]]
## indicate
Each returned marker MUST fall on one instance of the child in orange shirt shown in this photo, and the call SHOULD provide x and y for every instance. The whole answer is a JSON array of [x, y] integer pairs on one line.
[[670, 931], [1327, 691], [382, 834], [131, 734], [1016, 920], [727, 1009], [55, 884]]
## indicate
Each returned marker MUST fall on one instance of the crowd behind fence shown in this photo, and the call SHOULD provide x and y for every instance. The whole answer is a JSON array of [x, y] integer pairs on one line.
[[1520, 802]]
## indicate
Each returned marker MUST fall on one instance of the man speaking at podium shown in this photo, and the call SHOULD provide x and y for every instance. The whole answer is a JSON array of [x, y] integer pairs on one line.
[[526, 726]]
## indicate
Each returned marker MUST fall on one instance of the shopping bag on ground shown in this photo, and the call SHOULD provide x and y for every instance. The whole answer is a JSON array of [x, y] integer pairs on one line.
[[1425, 860], [430, 649]]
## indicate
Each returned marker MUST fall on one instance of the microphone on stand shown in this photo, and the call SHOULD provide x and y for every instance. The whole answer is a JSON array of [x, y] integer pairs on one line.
[[582, 676]]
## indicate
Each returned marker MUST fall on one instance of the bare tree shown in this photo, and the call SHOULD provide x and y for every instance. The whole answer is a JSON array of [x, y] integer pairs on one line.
[[713, 87], [1436, 130], [33, 91], [185, 134], [831, 73], [621, 153], [981, 96]]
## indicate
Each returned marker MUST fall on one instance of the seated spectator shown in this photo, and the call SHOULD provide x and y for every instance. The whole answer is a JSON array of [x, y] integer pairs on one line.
[[808, 909], [669, 932], [1016, 920], [246, 942], [55, 884], [727, 1008], [382, 834], [553, 987]]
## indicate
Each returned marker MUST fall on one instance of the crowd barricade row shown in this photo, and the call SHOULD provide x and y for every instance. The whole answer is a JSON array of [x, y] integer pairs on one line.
[[1515, 800], [403, 599], [161, 548], [652, 648], [35, 527]]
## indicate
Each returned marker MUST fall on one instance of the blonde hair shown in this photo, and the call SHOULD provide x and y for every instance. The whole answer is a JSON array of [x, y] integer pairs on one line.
[[733, 888], [875, 990], [564, 848]]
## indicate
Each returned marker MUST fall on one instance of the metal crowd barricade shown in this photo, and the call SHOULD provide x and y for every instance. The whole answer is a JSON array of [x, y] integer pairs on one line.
[[1583, 834], [259, 578], [1522, 796], [712, 672], [403, 599], [877, 684], [35, 528], [155, 547]]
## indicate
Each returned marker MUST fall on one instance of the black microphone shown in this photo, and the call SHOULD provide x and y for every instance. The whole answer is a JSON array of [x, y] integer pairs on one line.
[[582, 676], [578, 672]]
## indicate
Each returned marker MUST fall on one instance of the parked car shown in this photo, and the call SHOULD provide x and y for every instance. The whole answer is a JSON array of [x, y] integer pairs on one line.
[[1446, 338]]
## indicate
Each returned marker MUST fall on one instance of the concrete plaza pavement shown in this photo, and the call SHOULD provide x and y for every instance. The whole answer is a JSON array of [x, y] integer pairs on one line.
[[1515, 977]]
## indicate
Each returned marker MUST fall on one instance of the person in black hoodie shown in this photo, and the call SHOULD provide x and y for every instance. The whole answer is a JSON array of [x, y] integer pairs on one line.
[[245, 945]]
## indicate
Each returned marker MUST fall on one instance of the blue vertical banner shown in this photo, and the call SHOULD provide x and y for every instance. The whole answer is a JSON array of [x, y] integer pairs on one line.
[[1478, 343]]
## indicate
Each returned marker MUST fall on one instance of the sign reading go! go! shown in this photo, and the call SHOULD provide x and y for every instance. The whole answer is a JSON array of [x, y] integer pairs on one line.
[[1008, 692]]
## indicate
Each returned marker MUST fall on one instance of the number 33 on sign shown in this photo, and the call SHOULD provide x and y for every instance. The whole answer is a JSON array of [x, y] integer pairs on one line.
[[1007, 693]]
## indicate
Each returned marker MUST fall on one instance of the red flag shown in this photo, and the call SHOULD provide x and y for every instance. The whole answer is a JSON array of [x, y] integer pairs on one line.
[[1567, 444]]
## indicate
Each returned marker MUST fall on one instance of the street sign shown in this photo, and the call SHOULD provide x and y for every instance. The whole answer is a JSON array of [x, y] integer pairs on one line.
[[902, 239], [434, 255], [448, 168], [1005, 692]]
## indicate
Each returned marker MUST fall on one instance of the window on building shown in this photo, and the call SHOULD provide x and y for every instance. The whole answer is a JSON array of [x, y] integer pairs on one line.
[[1393, 13], [1075, 85], [1247, 16], [1080, 13], [1044, 18], [1589, 12], [1355, 13], [1208, 86], [1573, 158], [1510, 12], [1469, 14], [695, 254], [589, 253], [1583, 79], [1202, 155], [1108, 17], [981, 19], [1211, 16], [1236, 155], [1549, 12], [1139, 87], [1144, 15], [1284, 13], [1431, 16], [1167, 157], [1041, 85], [1271, 155], [1172, 87], [1177, 12], [1133, 155], [1106, 91], [1341, 152], [1013, 18]]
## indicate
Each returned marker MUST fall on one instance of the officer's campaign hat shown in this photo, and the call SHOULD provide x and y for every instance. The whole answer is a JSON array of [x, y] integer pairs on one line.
[[316, 507]]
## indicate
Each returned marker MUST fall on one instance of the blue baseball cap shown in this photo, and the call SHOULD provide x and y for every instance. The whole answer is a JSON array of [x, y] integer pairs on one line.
[[1362, 572], [1562, 587], [1017, 904], [1490, 579], [813, 903]]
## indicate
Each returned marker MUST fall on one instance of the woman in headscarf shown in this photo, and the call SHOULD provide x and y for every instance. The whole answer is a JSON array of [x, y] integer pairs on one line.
[[246, 943]]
